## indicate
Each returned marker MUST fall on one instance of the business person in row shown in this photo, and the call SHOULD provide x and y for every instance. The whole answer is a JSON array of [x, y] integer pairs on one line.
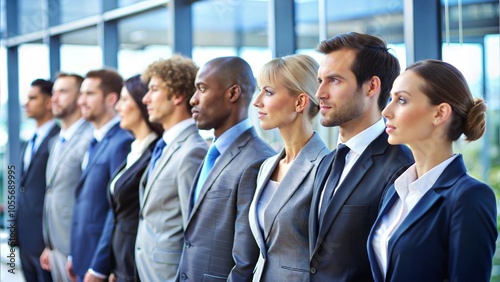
[[165, 186], [279, 213], [355, 78], [437, 222], [107, 150], [123, 192], [34, 156], [63, 173], [218, 241]]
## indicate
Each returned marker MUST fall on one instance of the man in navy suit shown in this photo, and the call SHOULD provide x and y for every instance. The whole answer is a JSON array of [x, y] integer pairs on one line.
[[31, 193], [355, 75], [107, 150]]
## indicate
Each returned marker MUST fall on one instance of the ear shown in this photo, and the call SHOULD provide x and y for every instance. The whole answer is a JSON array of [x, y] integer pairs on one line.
[[443, 113], [111, 99], [178, 99], [374, 85], [301, 102], [48, 103], [234, 93]]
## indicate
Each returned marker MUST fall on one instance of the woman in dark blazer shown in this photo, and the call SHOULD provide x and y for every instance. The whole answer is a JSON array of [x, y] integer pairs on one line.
[[123, 192], [279, 211], [436, 223]]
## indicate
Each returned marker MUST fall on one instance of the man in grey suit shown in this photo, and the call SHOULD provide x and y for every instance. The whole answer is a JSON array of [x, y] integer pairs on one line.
[[218, 240], [165, 185], [355, 75], [62, 174]]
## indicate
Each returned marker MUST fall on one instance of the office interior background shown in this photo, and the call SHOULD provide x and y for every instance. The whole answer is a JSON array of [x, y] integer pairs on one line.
[[42, 37]]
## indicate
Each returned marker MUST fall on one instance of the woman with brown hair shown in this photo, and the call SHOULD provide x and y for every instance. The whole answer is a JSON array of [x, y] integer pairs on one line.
[[437, 223]]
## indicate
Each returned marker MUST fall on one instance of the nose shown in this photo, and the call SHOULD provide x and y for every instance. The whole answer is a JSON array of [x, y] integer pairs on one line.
[[257, 102], [118, 105], [194, 100], [386, 112], [145, 99], [322, 93]]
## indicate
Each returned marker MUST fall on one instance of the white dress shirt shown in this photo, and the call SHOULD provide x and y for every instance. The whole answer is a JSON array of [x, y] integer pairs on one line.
[[410, 190]]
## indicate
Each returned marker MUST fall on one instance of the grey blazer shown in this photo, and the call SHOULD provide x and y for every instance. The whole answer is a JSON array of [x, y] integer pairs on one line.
[[164, 207], [218, 242], [62, 175], [284, 238]]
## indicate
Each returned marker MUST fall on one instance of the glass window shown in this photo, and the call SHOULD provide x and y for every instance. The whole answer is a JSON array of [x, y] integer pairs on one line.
[[32, 16], [71, 10], [306, 24], [143, 39], [80, 52], [122, 3]]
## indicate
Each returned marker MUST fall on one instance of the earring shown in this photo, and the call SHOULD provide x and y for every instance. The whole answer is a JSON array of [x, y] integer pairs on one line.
[[435, 121]]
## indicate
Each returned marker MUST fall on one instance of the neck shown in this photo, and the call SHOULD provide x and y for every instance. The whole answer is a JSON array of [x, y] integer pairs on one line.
[[430, 154], [355, 126], [178, 116], [141, 131], [231, 121], [43, 120], [295, 138], [103, 120], [68, 121]]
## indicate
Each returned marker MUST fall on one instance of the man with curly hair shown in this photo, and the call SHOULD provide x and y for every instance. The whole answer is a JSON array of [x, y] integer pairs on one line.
[[164, 190]]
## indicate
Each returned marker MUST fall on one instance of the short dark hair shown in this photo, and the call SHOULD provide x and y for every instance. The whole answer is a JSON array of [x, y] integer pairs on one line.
[[44, 85], [111, 81], [372, 59]]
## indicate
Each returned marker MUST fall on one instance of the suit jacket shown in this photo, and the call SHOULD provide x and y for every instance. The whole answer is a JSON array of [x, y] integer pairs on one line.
[[284, 242], [449, 235], [30, 198], [62, 176], [164, 207], [124, 203], [218, 241], [91, 204], [338, 243]]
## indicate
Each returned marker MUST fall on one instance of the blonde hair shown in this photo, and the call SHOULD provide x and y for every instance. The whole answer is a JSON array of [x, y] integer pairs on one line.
[[298, 73]]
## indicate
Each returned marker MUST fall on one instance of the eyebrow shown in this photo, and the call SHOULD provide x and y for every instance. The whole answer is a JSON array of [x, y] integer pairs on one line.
[[401, 91]]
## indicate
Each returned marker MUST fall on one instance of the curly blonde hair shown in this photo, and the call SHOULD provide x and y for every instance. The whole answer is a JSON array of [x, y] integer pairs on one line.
[[178, 74]]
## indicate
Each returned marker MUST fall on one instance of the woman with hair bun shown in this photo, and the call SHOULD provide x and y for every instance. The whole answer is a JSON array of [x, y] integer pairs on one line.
[[437, 223]]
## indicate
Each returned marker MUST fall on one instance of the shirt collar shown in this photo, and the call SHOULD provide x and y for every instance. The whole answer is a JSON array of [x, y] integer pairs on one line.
[[172, 133], [42, 131], [70, 131], [101, 132], [227, 138], [409, 181], [360, 141]]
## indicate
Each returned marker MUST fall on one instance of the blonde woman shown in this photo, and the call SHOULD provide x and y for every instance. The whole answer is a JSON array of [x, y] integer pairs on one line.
[[279, 211]]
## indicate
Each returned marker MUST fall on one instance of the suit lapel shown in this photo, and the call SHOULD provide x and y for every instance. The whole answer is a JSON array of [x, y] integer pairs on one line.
[[321, 176], [223, 161], [43, 147], [450, 175], [349, 184], [267, 170]]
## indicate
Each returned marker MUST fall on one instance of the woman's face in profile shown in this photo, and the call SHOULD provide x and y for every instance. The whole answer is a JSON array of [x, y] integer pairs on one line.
[[127, 108], [276, 106], [409, 113]]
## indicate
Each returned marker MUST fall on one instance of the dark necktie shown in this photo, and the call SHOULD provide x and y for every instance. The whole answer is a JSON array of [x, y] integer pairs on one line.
[[158, 150], [333, 179], [212, 156], [31, 152], [33, 140], [92, 145]]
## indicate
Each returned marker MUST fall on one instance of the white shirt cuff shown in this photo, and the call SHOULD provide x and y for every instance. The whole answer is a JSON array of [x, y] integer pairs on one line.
[[97, 274]]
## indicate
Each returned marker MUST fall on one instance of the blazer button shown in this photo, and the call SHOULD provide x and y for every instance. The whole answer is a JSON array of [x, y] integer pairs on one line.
[[313, 270], [187, 244], [22, 189], [184, 276], [141, 217]]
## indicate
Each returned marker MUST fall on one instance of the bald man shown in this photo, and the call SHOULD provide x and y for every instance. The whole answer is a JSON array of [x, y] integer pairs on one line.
[[218, 240]]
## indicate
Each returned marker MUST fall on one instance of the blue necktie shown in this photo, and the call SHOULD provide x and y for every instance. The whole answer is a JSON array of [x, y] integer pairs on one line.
[[31, 152], [33, 140], [333, 179], [158, 150], [92, 145], [212, 156]]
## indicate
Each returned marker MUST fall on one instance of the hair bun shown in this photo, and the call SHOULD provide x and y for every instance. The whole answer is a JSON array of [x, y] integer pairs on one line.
[[475, 123]]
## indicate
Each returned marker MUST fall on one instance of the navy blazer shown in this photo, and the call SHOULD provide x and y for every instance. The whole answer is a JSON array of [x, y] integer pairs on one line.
[[338, 243], [449, 235], [91, 203], [124, 203], [31, 195]]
